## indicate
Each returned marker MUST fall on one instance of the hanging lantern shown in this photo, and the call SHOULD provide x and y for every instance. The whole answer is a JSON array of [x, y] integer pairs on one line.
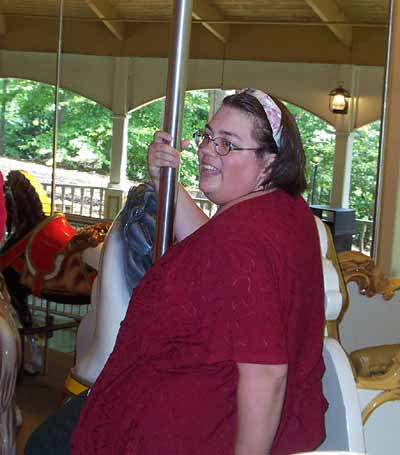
[[339, 100]]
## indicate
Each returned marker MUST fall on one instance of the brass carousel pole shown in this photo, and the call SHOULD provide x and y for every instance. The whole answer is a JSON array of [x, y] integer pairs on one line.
[[55, 142], [174, 102], [56, 102]]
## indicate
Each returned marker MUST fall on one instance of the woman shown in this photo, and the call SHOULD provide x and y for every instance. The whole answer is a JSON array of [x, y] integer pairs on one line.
[[220, 352]]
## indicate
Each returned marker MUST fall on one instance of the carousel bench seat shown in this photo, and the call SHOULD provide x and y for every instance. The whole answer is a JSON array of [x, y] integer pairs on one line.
[[343, 424], [343, 418], [371, 310], [368, 329]]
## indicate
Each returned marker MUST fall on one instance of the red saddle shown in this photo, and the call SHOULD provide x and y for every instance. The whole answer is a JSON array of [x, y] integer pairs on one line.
[[44, 249]]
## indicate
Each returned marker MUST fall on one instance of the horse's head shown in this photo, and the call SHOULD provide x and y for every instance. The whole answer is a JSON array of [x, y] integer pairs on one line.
[[25, 204], [138, 220]]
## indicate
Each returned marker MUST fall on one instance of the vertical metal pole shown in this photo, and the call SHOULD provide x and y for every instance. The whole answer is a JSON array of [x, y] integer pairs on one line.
[[314, 182], [381, 155], [174, 102], [56, 101]]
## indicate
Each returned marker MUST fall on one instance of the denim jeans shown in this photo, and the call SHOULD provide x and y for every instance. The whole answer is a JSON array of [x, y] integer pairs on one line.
[[53, 436]]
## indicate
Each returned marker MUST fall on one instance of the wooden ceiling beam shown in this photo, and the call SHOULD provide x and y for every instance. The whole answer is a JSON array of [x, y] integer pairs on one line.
[[103, 9], [329, 11], [201, 10], [3, 25]]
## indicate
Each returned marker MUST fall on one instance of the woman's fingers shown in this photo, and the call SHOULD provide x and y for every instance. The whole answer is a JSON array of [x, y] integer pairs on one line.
[[165, 138], [162, 158], [161, 154], [161, 151], [162, 136], [185, 143]]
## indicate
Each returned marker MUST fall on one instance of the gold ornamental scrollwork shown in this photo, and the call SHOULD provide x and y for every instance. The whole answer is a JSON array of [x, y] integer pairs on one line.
[[382, 398], [361, 269]]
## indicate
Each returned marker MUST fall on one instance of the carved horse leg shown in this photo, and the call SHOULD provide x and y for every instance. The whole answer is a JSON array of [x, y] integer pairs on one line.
[[33, 360], [10, 352], [19, 297], [19, 300]]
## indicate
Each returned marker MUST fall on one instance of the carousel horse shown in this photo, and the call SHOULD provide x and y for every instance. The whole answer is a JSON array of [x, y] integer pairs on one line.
[[368, 328], [43, 255], [125, 257], [10, 353]]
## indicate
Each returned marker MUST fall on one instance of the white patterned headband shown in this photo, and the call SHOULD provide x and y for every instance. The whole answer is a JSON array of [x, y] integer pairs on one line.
[[271, 109]]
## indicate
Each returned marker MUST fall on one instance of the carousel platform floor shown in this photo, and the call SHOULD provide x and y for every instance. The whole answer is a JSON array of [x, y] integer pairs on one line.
[[40, 396]]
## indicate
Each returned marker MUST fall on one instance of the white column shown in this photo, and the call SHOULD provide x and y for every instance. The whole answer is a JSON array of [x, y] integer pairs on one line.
[[115, 194], [342, 169], [345, 125], [119, 149], [215, 100], [388, 214]]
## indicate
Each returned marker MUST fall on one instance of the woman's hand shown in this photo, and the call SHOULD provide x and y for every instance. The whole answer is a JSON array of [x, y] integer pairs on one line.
[[161, 154], [188, 216]]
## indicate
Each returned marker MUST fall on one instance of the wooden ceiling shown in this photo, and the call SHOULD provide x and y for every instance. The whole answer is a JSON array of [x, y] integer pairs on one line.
[[330, 31]]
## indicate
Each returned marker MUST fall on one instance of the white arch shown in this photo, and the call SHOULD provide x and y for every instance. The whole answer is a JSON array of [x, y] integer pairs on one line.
[[305, 85]]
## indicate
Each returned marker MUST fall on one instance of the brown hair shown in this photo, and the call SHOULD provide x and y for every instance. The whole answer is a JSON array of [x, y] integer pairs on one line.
[[287, 169]]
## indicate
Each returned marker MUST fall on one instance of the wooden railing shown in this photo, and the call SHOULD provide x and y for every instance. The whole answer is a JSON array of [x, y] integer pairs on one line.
[[88, 201], [206, 205], [362, 240], [79, 199], [85, 205]]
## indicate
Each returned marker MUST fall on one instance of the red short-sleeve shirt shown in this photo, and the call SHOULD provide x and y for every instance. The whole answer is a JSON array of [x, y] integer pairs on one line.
[[246, 287]]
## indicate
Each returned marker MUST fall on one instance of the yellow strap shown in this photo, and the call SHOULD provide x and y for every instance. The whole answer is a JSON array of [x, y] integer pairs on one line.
[[73, 386]]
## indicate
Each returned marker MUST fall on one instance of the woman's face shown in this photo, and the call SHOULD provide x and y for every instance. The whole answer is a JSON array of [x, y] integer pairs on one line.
[[224, 179]]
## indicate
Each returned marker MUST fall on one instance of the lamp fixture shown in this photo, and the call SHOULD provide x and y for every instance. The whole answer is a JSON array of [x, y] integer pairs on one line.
[[339, 100]]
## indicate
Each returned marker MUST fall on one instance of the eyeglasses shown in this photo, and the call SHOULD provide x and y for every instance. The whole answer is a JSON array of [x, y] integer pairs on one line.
[[221, 146]]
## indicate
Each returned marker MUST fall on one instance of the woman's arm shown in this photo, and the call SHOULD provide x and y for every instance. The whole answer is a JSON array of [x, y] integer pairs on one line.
[[260, 395], [188, 216]]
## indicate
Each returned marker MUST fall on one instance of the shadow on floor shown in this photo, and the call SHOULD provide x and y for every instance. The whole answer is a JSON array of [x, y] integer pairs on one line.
[[40, 396]]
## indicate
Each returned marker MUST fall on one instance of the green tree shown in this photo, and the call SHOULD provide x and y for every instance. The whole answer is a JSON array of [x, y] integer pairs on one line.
[[318, 139], [28, 116], [146, 121], [85, 133], [364, 170]]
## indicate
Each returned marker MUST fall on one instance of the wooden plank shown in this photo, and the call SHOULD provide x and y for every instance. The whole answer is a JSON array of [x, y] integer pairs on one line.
[[203, 10], [3, 25], [329, 11], [104, 10]]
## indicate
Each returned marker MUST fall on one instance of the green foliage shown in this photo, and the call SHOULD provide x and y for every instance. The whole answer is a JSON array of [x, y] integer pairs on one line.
[[146, 121], [84, 138], [318, 139], [364, 170], [85, 133]]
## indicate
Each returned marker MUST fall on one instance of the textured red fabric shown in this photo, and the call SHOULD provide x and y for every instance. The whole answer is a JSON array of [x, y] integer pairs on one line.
[[246, 287]]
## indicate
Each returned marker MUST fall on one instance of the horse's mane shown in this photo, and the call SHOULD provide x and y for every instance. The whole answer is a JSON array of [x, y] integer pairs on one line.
[[24, 205], [89, 237], [137, 227]]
